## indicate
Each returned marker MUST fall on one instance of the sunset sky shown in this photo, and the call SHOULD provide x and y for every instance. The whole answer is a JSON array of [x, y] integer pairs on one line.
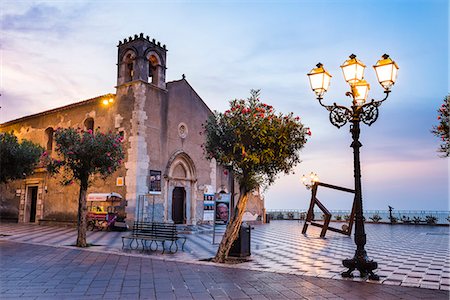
[[55, 53]]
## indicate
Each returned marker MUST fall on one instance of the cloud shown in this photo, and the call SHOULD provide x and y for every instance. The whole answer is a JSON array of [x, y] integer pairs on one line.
[[52, 19], [37, 18]]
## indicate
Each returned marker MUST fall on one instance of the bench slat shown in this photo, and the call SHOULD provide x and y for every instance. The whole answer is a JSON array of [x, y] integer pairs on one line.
[[147, 231]]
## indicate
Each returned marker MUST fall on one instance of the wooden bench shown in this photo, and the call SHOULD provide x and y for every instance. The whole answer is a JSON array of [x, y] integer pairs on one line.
[[154, 232]]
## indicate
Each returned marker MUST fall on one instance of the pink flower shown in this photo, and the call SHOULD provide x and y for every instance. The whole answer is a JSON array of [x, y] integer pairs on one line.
[[90, 131], [44, 154], [309, 132]]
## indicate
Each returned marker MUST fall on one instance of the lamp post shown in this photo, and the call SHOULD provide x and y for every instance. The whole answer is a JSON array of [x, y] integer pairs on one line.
[[353, 70]]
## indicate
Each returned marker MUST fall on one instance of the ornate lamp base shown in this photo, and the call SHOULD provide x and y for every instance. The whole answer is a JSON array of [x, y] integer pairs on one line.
[[362, 264]]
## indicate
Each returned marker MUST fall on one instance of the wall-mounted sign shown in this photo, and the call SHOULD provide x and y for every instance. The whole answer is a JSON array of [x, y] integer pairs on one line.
[[119, 181], [155, 182]]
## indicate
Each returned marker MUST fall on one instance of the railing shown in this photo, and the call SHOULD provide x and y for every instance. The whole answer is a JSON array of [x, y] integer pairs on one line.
[[399, 216]]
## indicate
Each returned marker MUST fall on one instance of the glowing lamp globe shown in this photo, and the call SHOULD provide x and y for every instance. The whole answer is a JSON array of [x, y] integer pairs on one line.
[[387, 71], [360, 91], [319, 79], [353, 69]]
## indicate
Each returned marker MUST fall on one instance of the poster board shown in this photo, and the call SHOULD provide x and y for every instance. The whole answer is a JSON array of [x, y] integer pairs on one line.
[[222, 209], [208, 207], [154, 182], [221, 213]]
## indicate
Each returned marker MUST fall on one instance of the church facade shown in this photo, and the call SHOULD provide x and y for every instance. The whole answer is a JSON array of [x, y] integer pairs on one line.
[[165, 176]]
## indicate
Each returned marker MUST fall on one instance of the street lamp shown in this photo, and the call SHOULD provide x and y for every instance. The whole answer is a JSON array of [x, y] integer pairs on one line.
[[313, 179], [353, 69]]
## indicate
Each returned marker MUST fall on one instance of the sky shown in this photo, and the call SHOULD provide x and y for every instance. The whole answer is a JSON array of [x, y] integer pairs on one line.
[[54, 53]]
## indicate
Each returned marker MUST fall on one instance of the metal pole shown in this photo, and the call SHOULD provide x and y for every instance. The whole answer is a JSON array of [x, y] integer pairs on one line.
[[153, 208], [360, 261]]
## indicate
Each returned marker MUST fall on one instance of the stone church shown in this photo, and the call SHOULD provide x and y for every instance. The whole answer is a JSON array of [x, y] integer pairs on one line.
[[165, 176]]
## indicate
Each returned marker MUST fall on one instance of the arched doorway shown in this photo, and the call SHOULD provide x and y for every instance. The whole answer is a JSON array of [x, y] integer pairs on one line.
[[179, 205], [181, 189]]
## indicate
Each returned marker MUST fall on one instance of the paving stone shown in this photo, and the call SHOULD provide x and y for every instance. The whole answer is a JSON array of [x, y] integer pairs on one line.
[[285, 250]]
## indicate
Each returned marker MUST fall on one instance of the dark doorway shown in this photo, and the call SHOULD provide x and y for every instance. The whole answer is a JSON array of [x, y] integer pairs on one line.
[[178, 205], [32, 198]]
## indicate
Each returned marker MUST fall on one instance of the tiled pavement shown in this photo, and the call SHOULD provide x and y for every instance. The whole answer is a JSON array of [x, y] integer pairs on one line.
[[30, 271], [416, 256]]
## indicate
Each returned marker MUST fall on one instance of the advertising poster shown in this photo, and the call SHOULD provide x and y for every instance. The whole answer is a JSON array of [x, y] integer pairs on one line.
[[208, 207], [222, 209], [155, 182]]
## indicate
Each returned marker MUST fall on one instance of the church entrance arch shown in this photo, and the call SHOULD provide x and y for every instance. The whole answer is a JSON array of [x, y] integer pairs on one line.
[[181, 193]]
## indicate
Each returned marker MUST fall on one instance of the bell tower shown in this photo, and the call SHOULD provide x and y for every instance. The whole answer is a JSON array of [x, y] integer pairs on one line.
[[141, 101], [141, 59]]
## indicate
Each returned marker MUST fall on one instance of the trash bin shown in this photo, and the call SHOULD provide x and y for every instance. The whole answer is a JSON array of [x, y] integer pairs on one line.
[[241, 246], [267, 218]]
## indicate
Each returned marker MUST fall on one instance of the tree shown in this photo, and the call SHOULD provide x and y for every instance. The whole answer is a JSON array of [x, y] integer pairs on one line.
[[84, 154], [17, 160], [256, 144], [441, 130]]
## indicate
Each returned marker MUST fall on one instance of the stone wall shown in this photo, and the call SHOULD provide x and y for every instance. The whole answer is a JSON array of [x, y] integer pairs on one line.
[[55, 201]]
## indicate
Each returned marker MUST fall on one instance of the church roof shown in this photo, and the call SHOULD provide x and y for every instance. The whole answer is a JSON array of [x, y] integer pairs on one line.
[[58, 109]]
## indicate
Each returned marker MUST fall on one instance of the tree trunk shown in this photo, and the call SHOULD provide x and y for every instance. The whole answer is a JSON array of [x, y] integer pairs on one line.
[[232, 231], [82, 212]]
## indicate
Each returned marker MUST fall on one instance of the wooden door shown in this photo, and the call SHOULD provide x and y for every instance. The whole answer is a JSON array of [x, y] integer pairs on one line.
[[179, 205]]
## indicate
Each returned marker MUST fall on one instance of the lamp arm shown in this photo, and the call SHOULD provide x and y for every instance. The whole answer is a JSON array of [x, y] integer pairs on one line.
[[339, 115], [378, 102], [327, 107], [369, 111]]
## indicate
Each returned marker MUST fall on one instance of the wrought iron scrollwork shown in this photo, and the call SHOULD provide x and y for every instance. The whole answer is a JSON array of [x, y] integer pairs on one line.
[[339, 116], [369, 112]]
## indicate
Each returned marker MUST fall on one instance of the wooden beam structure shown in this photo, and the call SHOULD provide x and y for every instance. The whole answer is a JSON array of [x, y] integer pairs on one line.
[[327, 215]]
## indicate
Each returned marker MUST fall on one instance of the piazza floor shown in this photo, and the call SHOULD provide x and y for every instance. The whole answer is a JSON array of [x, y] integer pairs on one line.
[[410, 256]]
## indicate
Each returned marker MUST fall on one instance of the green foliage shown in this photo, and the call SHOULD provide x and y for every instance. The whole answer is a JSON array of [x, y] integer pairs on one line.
[[254, 141], [17, 160], [83, 153], [442, 130]]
